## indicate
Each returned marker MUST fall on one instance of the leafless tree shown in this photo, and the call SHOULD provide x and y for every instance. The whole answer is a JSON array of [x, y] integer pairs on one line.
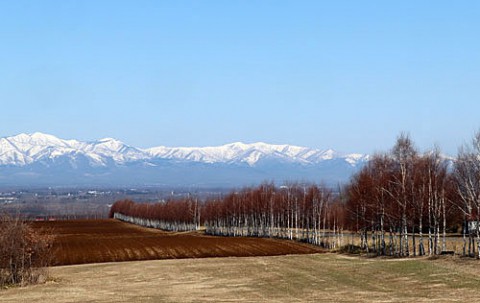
[[467, 177], [24, 252]]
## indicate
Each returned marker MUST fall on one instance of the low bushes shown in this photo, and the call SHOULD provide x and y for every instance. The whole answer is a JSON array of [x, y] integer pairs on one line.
[[24, 252]]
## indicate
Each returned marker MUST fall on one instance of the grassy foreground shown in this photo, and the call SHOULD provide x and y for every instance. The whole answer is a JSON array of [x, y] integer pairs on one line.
[[294, 278]]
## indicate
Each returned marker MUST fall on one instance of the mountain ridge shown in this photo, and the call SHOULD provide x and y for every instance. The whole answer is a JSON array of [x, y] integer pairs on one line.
[[37, 145], [47, 156]]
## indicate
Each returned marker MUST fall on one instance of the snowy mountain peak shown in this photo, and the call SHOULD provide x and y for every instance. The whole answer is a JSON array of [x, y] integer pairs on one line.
[[109, 144], [250, 153], [41, 158], [35, 139], [24, 149], [329, 154]]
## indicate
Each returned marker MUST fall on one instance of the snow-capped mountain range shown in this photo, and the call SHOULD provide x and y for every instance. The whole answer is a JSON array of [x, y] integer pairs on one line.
[[42, 158]]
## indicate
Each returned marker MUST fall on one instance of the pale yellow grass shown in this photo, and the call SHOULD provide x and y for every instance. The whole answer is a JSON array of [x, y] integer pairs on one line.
[[296, 278]]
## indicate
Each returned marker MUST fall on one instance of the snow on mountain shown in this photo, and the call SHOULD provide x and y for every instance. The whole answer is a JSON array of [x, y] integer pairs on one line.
[[117, 150], [354, 159], [45, 159], [250, 154], [26, 149]]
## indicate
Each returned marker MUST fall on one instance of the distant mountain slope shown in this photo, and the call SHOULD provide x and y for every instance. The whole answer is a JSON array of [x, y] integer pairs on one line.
[[41, 159]]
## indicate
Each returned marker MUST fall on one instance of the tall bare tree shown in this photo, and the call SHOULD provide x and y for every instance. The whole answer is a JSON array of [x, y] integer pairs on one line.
[[404, 154], [467, 176]]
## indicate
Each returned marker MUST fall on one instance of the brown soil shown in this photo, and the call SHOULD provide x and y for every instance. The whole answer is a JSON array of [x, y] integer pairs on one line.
[[95, 241]]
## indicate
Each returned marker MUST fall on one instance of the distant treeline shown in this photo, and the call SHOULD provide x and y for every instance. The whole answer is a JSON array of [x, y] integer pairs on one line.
[[173, 215], [305, 212], [401, 203]]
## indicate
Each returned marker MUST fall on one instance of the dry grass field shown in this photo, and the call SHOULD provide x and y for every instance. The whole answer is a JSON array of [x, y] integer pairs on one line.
[[294, 278]]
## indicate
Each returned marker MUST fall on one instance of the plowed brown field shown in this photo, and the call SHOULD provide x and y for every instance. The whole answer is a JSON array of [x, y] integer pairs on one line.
[[94, 241]]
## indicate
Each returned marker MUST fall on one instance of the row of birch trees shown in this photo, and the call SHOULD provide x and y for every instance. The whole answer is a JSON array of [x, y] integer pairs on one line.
[[309, 213], [403, 203], [172, 215]]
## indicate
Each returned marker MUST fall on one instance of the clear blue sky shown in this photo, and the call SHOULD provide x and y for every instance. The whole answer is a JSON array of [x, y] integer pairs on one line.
[[348, 75]]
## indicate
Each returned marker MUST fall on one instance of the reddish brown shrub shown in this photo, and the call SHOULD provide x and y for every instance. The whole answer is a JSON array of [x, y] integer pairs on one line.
[[24, 252]]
